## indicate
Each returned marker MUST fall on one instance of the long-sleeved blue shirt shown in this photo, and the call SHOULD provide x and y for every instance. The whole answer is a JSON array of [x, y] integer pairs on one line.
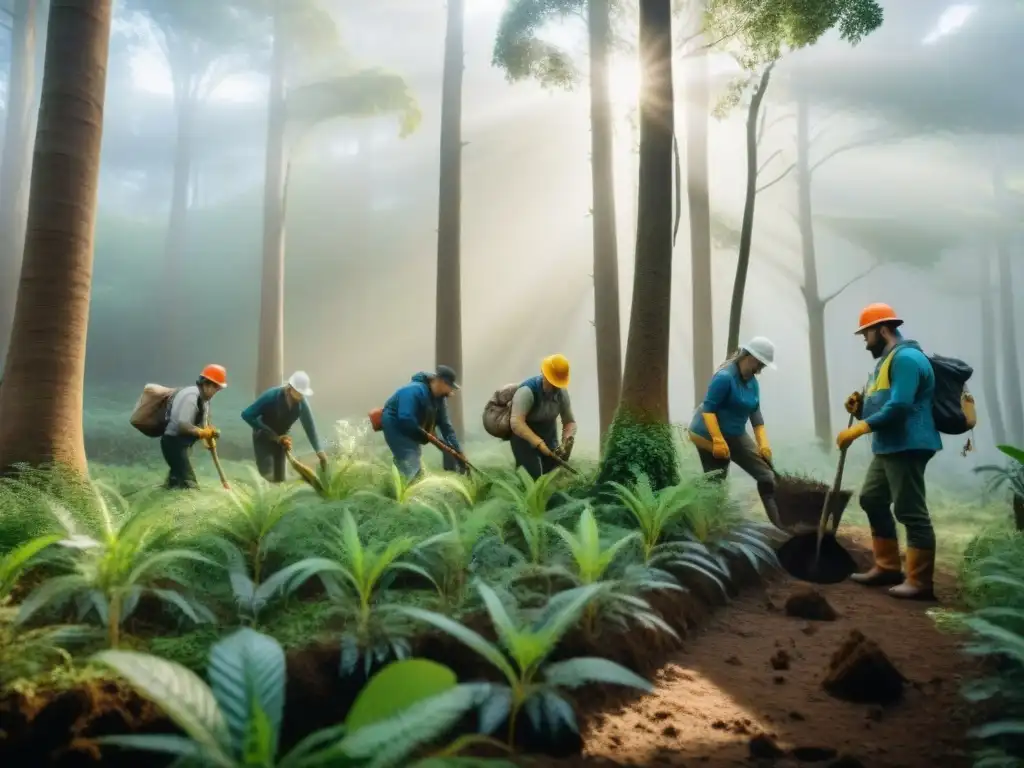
[[733, 399], [898, 402], [413, 407], [272, 412]]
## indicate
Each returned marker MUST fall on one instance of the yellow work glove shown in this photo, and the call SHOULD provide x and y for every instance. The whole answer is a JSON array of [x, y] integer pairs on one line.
[[323, 459], [845, 438], [207, 433], [285, 442], [763, 448], [855, 404], [719, 448]]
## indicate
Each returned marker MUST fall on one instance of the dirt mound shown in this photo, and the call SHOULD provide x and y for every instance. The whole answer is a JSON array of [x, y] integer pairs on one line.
[[810, 604], [861, 672], [801, 500]]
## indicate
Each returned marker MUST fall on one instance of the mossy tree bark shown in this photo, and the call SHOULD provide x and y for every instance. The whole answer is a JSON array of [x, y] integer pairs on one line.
[[641, 439], [41, 396]]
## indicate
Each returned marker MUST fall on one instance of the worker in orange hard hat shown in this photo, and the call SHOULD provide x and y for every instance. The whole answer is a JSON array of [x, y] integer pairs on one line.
[[535, 408], [189, 421], [896, 408]]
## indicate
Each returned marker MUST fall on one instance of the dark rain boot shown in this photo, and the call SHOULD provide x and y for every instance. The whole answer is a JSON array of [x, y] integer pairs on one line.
[[886, 571], [919, 584]]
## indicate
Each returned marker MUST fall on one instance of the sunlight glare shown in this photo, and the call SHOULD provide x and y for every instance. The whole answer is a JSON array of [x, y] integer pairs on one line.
[[951, 20], [624, 82]]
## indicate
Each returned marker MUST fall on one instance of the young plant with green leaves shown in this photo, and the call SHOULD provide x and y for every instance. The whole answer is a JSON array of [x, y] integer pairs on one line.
[[620, 602], [110, 569], [236, 720], [533, 685], [252, 598], [714, 530], [352, 573], [342, 478], [528, 501], [406, 493], [15, 563], [1009, 476]]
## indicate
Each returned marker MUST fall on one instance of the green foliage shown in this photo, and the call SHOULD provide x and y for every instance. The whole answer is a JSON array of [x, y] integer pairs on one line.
[[365, 93], [236, 720], [633, 448], [528, 502], [522, 55], [764, 31], [1011, 475]]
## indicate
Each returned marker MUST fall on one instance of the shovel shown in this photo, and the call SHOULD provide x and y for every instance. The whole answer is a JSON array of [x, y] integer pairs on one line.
[[212, 447], [826, 511], [305, 472], [445, 448]]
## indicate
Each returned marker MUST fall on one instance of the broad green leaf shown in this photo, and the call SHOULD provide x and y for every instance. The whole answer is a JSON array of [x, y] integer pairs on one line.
[[152, 742], [466, 636], [397, 686], [247, 674], [582, 671], [180, 693], [1013, 452], [17, 560]]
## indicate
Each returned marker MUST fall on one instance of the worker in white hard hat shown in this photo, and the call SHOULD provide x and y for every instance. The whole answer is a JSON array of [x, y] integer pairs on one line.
[[271, 415], [719, 425]]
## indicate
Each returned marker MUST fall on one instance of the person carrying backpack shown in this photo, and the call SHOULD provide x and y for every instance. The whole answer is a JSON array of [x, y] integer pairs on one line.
[[188, 421], [535, 408], [899, 409], [271, 415]]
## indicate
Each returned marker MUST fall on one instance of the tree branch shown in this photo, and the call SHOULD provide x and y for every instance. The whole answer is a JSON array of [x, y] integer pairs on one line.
[[770, 157], [856, 144], [776, 180], [848, 283]]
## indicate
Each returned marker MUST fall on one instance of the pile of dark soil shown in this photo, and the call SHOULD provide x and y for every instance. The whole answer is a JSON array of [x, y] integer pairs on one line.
[[801, 500], [861, 672], [810, 604]]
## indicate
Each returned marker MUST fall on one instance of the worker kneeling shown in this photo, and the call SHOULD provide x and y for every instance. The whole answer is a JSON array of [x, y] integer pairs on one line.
[[719, 426], [188, 421], [535, 408], [415, 411], [272, 415]]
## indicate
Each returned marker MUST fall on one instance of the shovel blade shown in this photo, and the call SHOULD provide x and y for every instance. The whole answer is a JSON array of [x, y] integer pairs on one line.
[[800, 558]]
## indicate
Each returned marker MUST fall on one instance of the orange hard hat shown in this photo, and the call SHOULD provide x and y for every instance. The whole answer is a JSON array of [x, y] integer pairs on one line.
[[876, 314], [216, 374]]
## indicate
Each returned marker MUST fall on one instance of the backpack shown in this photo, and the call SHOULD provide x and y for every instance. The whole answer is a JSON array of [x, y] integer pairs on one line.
[[953, 406], [152, 412], [497, 415]]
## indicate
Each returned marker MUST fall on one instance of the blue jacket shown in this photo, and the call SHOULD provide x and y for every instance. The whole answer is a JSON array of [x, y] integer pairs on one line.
[[272, 412], [412, 408], [898, 402], [733, 400]]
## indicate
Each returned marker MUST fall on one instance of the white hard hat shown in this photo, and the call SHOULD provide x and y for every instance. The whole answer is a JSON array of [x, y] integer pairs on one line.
[[299, 381], [761, 349]]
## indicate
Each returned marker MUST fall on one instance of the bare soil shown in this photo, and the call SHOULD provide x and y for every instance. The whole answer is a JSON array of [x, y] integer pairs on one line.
[[746, 690]]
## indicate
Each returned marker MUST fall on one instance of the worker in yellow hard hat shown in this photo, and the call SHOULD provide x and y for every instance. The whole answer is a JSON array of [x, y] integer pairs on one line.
[[536, 406]]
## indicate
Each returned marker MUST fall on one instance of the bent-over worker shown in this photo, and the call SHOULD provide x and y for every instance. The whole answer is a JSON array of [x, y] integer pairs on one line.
[[719, 425], [896, 409], [188, 421], [272, 415], [536, 406], [419, 407]]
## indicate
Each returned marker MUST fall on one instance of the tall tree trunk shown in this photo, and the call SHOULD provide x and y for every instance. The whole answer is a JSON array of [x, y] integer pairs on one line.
[[820, 395], [448, 329], [989, 364], [606, 256], [270, 353], [739, 285], [41, 395], [699, 202], [645, 379], [16, 163]]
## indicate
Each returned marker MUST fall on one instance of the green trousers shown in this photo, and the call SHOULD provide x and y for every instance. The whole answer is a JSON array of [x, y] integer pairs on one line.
[[894, 491]]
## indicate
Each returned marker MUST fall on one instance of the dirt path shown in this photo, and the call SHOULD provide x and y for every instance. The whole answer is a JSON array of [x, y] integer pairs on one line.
[[722, 690]]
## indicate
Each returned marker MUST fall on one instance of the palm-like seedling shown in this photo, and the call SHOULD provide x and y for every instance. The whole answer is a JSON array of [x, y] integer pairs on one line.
[[251, 598], [715, 532], [352, 574], [14, 564], [1011, 476], [254, 520], [620, 602], [345, 477], [533, 685], [405, 492], [112, 568], [235, 721], [528, 501]]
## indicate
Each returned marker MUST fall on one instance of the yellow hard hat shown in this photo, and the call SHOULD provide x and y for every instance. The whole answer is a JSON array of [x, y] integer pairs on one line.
[[555, 369]]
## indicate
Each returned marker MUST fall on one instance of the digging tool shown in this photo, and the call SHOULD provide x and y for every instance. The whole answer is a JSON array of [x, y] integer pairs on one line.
[[837, 485], [212, 447], [563, 463], [305, 472], [445, 448]]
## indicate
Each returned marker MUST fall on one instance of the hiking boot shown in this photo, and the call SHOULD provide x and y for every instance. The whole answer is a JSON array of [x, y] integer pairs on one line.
[[886, 572], [920, 574]]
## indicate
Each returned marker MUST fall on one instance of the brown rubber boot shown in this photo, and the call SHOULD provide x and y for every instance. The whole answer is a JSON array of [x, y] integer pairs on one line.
[[886, 571], [920, 574]]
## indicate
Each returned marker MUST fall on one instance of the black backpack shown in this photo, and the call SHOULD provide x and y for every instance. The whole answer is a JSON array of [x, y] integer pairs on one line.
[[951, 375]]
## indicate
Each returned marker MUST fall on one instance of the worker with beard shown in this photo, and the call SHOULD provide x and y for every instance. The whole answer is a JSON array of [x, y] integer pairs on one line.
[[896, 409]]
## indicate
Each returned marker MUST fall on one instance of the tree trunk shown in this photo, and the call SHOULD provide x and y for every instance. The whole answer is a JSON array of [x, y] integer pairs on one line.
[[41, 396], [820, 395], [270, 353], [1018, 512], [699, 203], [747, 227], [989, 364], [645, 380], [606, 257], [16, 163], [1007, 324], [448, 329]]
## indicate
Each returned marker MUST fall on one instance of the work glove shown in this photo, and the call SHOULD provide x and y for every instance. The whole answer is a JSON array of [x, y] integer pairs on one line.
[[542, 447], [845, 438], [763, 448], [285, 442], [719, 448], [564, 451], [207, 434], [855, 404], [323, 459]]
